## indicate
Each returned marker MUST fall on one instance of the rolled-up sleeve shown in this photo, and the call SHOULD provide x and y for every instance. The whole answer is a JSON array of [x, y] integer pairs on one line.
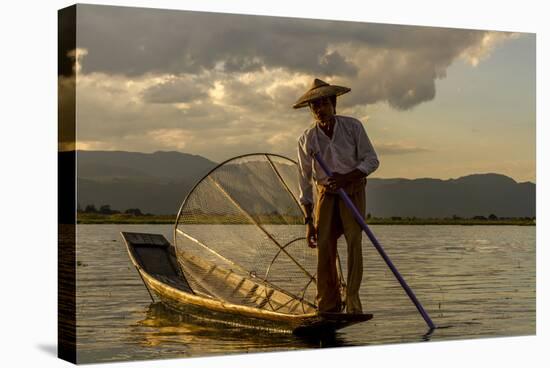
[[305, 173], [365, 152]]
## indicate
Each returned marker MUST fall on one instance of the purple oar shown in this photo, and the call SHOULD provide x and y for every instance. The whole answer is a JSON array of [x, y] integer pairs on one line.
[[359, 218]]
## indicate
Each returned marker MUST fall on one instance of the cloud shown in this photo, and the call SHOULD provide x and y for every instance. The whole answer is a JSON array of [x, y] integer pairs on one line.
[[334, 63], [251, 115], [76, 57], [237, 113], [479, 51], [405, 75], [397, 64], [171, 138], [66, 87], [221, 84], [399, 149], [177, 89], [135, 41]]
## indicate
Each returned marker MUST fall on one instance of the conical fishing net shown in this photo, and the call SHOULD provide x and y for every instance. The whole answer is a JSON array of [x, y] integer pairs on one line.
[[240, 236]]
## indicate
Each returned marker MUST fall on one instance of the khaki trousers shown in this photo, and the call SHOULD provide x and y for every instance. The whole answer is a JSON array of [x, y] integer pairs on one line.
[[333, 219]]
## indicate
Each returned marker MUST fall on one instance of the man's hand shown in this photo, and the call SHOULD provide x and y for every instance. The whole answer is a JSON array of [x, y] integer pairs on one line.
[[311, 235], [311, 232], [337, 181]]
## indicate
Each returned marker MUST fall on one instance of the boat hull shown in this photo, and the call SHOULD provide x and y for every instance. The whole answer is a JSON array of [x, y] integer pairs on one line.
[[155, 260]]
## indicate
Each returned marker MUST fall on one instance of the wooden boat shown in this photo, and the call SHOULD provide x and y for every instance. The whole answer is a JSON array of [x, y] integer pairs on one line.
[[162, 273]]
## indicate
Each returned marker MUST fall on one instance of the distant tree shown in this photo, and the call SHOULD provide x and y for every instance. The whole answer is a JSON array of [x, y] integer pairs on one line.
[[133, 211], [105, 209], [396, 218], [455, 217], [90, 209], [78, 207], [480, 218], [492, 216], [368, 216]]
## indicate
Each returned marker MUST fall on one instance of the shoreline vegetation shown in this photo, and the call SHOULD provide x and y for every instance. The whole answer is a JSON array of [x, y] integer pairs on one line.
[[133, 218]]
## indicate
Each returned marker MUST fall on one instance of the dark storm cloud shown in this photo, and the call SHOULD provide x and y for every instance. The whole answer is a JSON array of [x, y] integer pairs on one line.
[[176, 91], [380, 62], [241, 64], [135, 41], [66, 40], [403, 79], [334, 64]]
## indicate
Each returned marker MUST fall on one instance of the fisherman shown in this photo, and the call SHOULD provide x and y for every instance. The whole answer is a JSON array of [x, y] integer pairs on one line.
[[345, 147]]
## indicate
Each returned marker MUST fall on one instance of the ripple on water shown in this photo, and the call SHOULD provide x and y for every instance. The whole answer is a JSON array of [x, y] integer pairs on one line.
[[475, 281]]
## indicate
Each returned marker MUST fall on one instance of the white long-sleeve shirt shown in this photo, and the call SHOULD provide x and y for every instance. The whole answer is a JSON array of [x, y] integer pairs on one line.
[[349, 149]]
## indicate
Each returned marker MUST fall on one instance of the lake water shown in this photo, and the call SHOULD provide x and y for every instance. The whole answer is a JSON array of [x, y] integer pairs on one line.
[[474, 281]]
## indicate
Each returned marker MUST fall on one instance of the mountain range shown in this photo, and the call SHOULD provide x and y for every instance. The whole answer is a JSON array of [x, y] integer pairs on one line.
[[158, 182]]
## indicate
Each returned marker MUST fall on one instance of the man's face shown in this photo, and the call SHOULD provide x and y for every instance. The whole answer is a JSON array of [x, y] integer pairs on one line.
[[322, 109]]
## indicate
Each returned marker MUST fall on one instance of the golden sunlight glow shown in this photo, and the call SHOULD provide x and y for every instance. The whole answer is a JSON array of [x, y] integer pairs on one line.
[[77, 55], [476, 53], [171, 138], [217, 93]]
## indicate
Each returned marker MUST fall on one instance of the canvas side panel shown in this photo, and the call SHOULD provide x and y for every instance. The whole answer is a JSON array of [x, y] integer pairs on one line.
[[66, 288]]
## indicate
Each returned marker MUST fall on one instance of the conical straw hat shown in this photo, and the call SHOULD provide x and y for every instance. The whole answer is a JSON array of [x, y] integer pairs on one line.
[[319, 89]]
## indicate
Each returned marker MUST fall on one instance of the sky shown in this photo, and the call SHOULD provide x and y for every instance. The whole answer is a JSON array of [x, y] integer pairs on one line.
[[435, 102]]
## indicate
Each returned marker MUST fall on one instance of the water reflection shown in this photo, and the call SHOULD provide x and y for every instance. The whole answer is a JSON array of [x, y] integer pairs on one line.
[[474, 282], [164, 325]]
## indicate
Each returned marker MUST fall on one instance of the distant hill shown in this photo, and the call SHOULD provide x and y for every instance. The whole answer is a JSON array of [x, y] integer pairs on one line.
[[160, 165], [153, 182], [158, 182], [467, 196]]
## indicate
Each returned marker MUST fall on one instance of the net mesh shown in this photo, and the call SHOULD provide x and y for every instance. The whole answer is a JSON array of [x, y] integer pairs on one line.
[[240, 236]]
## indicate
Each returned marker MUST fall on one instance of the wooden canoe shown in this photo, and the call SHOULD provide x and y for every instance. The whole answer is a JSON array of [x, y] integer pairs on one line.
[[160, 270]]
